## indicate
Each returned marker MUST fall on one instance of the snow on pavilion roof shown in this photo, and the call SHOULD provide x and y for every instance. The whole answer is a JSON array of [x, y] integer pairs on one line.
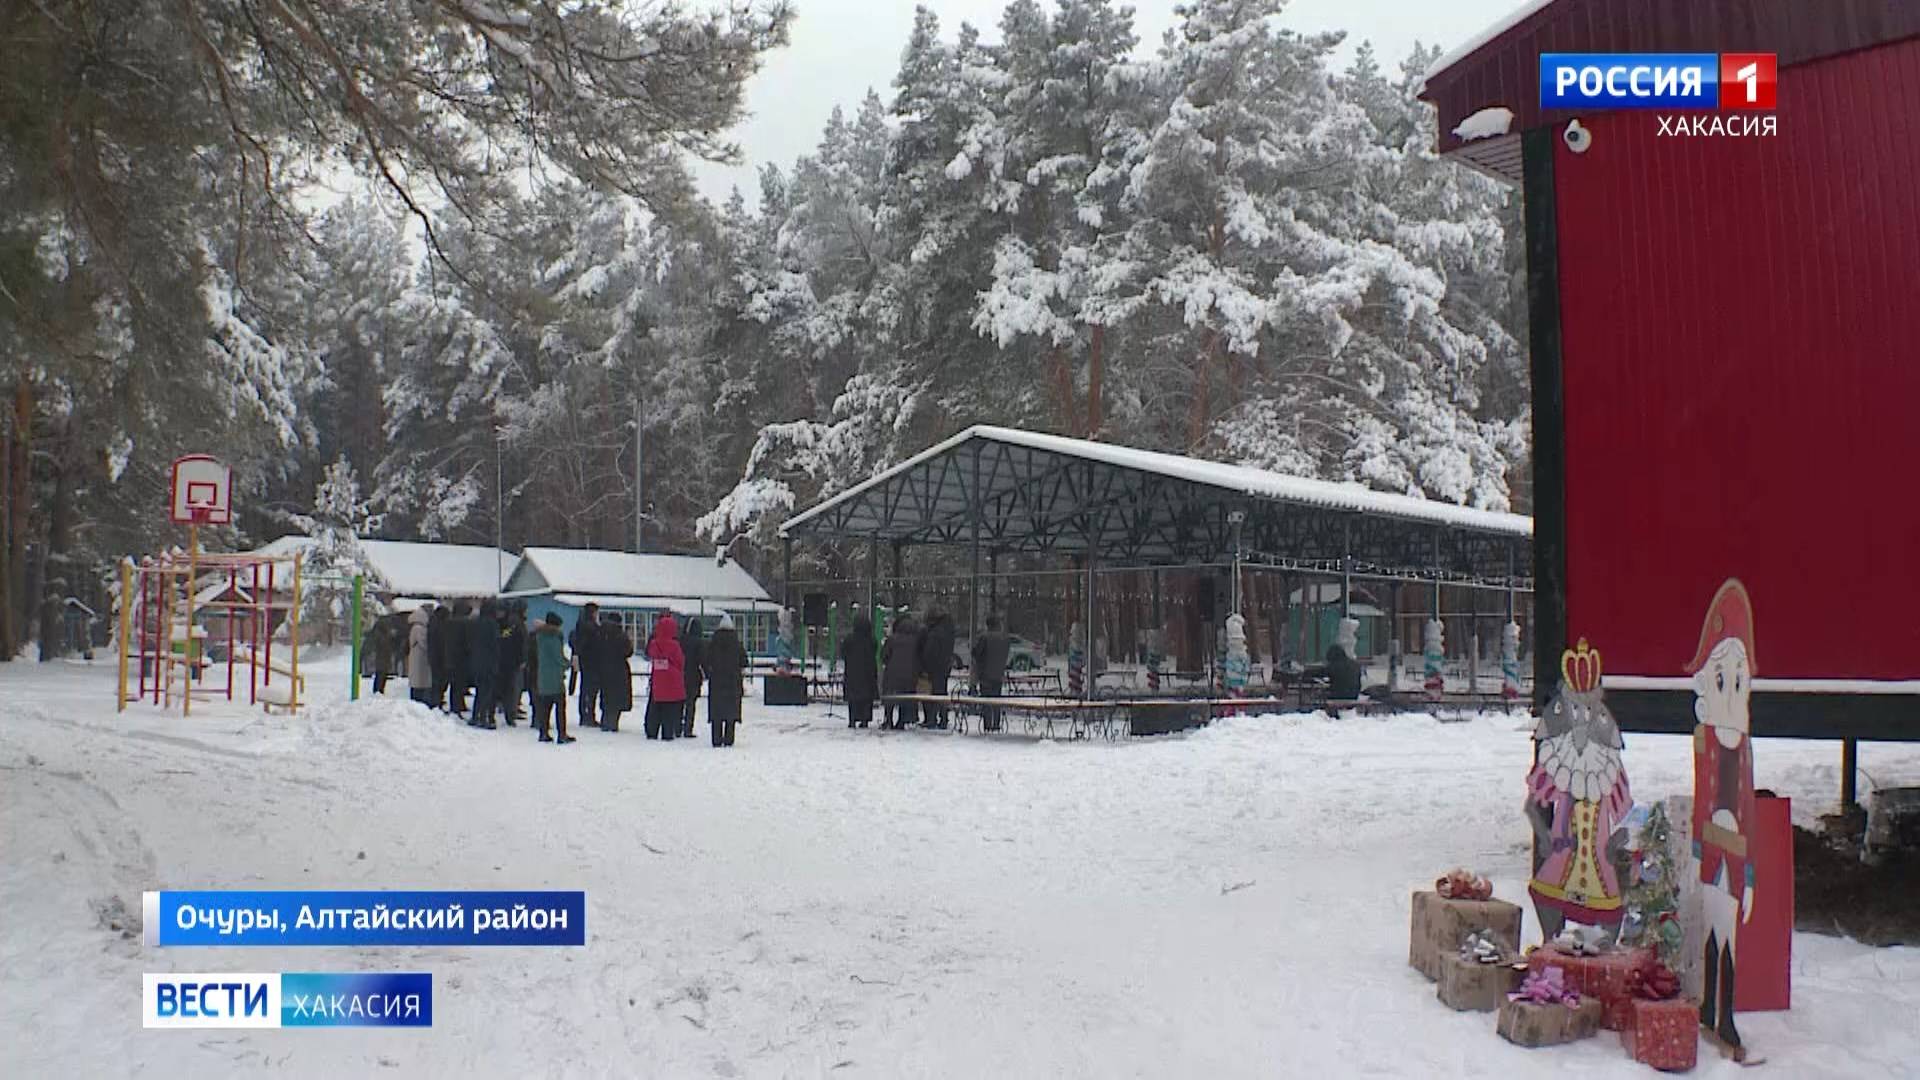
[[421, 568], [1048, 493]]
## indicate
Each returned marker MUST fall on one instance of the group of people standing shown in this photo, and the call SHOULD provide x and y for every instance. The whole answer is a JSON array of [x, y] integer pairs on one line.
[[492, 652], [917, 660]]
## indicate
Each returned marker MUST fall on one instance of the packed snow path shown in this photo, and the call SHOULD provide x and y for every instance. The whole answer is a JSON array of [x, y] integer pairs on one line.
[[822, 902]]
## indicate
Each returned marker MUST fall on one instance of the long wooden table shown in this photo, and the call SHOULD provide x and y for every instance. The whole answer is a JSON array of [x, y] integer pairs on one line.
[[1052, 717]]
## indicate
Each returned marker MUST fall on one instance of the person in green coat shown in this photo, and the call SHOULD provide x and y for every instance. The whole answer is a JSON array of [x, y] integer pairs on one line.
[[548, 658]]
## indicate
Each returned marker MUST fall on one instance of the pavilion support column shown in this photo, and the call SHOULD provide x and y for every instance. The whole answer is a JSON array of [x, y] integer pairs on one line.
[[993, 583], [786, 572], [975, 511], [1086, 688], [1346, 569], [899, 578], [1473, 639], [1393, 637], [873, 575], [1849, 770]]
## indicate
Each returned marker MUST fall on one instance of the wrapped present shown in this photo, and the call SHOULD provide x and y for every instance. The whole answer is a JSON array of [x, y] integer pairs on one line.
[[1440, 925], [1533, 1023], [1473, 985], [1663, 1034], [1607, 977]]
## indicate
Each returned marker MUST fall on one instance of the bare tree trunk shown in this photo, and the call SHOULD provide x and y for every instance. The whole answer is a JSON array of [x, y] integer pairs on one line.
[[1096, 375], [19, 463], [1200, 412], [55, 576], [1063, 390]]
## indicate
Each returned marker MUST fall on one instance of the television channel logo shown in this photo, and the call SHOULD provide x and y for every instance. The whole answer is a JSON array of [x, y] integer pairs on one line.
[[289, 999], [1706, 81]]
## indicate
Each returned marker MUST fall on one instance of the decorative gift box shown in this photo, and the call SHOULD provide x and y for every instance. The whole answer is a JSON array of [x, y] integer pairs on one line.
[[1470, 985], [1606, 977], [1530, 1023], [1440, 925], [1663, 1034]]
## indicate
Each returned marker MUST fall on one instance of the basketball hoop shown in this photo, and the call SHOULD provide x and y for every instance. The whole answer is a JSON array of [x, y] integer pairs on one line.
[[201, 491]]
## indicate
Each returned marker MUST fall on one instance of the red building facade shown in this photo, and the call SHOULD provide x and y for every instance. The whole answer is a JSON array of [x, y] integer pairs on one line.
[[1726, 356]]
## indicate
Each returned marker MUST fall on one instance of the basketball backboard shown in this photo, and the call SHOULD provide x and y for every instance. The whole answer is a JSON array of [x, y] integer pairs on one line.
[[202, 491]]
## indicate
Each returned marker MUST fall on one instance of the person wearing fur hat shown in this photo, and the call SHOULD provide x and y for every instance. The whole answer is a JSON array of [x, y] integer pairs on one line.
[[1722, 668], [725, 662]]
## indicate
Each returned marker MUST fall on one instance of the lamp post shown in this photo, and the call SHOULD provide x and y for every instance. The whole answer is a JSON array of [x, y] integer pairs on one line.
[[499, 511]]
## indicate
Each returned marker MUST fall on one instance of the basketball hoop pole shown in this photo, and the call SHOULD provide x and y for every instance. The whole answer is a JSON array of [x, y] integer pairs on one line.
[[193, 575], [126, 624], [293, 641]]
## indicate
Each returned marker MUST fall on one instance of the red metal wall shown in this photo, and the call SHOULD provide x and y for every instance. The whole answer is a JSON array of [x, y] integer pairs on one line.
[[1506, 70], [1741, 321]]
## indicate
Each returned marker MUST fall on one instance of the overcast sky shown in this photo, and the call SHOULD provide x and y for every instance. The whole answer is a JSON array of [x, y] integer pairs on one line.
[[842, 47]]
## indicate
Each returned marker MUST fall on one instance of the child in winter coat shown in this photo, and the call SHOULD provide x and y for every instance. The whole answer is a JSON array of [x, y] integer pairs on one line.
[[667, 688]]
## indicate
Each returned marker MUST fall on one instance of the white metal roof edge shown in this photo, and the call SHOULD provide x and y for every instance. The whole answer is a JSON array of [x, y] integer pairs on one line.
[[1250, 481], [882, 477], [1475, 43], [656, 600], [532, 554]]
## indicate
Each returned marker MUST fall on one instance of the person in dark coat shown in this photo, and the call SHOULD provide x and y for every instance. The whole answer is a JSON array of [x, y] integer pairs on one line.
[[483, 665], [459, 638], [725, 663], [437, 656], [547, 677], [900, 671], [989, 656], [1343, 674], [936, 663], [586, 662], [860, 672], [667, 686], [613, 675], [513, 660], [382, 651], [693, 646]]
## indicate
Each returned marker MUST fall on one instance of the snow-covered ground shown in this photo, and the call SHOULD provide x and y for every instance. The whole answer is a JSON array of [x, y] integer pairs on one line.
[[1229, 903]]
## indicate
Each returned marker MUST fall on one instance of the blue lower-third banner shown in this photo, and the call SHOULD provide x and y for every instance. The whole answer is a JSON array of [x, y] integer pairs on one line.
[[291, 999], [301, 917]]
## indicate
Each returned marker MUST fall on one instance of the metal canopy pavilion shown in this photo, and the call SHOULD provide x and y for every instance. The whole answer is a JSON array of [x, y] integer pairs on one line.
[[1008, 491]]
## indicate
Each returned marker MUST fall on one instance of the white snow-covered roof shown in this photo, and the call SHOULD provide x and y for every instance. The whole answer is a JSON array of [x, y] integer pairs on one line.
[[611, 575], [680, 605], [1472, 45], [419, 568], [1237, 478]]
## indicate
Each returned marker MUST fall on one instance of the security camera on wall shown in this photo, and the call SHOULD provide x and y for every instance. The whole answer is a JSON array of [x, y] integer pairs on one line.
[[1578, 137]]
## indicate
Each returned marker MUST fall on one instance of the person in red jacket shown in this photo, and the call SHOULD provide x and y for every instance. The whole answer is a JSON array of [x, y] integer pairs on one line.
[[1723, 814], [667, 687]]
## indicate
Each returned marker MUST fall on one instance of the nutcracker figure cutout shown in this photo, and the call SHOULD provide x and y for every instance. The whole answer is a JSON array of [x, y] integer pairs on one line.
[[1577, 802], [1722, 670]]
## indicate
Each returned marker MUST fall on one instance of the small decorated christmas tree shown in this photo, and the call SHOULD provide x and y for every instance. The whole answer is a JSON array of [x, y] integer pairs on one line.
[[1653, 898]]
